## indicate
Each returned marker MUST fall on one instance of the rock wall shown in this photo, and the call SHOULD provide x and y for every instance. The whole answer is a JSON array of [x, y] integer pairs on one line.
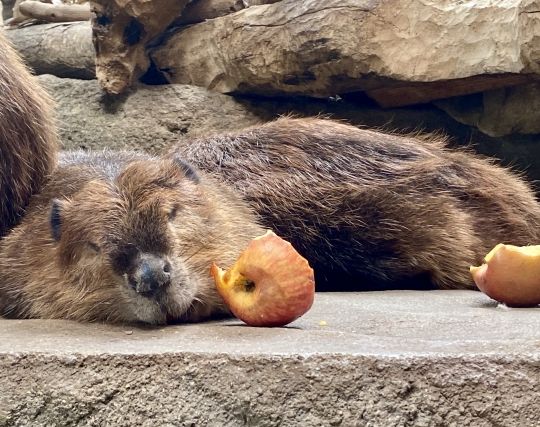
[[499, 112], [152, 118], [400, 52], [148, 118]]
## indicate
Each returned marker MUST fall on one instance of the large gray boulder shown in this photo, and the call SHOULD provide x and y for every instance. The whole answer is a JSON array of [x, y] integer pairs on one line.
[[152, 118], [402, 358], [148, 118], [499, 112], [401, 52]]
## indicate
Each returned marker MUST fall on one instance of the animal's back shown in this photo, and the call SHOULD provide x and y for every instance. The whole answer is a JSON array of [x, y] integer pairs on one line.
[[371, 210], [28, 142]]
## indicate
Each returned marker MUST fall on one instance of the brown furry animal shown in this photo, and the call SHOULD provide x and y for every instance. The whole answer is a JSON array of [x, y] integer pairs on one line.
[[370, 210], [125, 237], [28, 143], [122, 237]]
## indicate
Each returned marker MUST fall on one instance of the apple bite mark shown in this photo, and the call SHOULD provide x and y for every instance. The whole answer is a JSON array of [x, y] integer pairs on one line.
[[269, 285], [510, 274]]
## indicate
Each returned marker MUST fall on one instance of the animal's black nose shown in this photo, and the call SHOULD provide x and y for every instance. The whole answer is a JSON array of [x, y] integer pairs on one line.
[[152, 274]]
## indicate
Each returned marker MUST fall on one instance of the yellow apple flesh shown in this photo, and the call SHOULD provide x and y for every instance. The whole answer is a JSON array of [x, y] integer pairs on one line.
[[269, 285], [510, 274]]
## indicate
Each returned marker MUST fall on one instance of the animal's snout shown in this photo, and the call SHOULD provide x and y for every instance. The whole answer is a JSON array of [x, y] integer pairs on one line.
[[152, 274]]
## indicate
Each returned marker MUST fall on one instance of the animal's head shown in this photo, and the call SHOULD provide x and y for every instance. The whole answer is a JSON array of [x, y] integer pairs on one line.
[[139, 248]]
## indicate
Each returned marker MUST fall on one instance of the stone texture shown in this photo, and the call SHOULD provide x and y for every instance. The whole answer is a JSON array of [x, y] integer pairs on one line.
[[154, 117], [7, 9], [322, 48], [387, 358], [201, 10], [499, 112], [149, 118]]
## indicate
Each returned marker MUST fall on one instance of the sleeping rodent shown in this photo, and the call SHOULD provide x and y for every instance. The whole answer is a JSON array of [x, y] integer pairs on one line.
[[127, 237]]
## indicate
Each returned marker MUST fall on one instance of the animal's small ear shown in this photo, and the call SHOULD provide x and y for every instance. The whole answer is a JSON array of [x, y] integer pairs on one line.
[[55, 219], [188, 170]]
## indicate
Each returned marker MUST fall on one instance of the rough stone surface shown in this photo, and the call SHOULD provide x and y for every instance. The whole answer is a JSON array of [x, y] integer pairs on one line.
[[152, 118], [323, 48], [389, 358], [149, 118], [201, 10], [6, 8], [499, 112]]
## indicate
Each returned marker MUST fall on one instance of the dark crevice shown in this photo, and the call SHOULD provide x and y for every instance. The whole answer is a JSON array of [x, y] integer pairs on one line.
[[154, 76]]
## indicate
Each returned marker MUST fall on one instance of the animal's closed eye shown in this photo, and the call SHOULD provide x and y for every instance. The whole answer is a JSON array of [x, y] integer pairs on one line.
[[172, 212], [95, 248], [188, 170]]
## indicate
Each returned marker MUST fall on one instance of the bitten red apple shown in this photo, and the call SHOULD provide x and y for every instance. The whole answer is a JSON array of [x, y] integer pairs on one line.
[[510, 274], [269, 285]]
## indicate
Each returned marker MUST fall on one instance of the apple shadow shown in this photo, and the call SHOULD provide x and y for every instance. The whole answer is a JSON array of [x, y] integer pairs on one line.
[[243, 325]]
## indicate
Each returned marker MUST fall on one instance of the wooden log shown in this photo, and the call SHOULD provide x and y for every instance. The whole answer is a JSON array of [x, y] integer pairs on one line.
[[17, 17], [122, 31], [395, 51], [201, 10], [56, 12], [64, 50]]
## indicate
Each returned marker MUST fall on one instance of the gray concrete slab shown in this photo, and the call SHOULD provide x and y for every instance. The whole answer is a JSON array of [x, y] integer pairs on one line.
[[373, 323], [380, 358]]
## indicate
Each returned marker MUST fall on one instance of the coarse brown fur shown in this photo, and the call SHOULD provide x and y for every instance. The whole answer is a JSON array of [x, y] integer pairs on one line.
[[371, 210], [125, 237], [109, 210], [28, 143]]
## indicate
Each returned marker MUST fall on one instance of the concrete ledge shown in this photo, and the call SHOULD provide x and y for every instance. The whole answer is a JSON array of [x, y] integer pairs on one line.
[[388, 358]]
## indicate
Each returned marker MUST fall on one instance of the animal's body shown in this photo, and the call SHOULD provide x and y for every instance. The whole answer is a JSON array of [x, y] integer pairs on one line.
[[28, 143], [126, 237], [371, 210]]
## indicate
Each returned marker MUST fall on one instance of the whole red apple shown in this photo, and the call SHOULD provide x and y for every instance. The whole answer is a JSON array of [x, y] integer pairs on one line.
[[269, 285]]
